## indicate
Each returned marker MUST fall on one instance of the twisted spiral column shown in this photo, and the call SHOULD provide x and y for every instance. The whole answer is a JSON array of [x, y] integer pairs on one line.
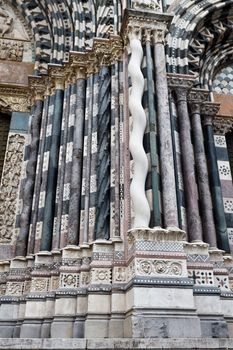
[[137, 187]]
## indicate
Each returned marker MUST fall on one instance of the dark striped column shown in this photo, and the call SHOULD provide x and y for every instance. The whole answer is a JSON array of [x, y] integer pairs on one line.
[[209, 111], [49, 208], [209, 232], [77, 161], [25, 218], [156, 219], [190, 186], [102, 225]]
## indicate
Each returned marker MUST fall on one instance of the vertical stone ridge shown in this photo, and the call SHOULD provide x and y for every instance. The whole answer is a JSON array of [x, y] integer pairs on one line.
[[137, 187], [102, 228], [21, 245]]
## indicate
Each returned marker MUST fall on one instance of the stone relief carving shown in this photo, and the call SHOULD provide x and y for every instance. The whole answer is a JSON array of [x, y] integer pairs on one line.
[[11, 50], [102, 275], [146, 4], [159, 267], [10, 24], [10, 185]]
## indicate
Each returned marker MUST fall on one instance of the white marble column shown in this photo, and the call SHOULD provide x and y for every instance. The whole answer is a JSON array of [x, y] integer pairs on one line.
[[140, 167]]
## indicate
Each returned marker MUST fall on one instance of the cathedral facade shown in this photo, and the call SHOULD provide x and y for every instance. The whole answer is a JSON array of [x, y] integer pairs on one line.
[[116, 165]]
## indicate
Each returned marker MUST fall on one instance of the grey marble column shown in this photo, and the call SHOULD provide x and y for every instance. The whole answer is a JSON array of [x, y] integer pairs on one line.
[[169, 202], [208, 111], [76, 175], [209, 232], [190, 186], [25, 218]]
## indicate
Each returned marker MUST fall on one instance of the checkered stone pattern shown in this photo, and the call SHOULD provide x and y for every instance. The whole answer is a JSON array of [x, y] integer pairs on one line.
[[201, 277], [225, 179], [223, 81]]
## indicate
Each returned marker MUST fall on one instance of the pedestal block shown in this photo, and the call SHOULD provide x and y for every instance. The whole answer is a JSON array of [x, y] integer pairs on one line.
[[159, 294]]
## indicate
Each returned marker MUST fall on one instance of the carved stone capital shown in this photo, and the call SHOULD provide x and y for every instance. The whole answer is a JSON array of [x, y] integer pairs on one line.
[[210, 109], [141, 22], [14, 98], [181, 81], [37, 85], [57, 74], [222, 125]]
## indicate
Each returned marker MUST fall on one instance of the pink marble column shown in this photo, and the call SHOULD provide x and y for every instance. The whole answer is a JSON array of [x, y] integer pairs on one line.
[[190, 186], [169, 201], [209, 232]]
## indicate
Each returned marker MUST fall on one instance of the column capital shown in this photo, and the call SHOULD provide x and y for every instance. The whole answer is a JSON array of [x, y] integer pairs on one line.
[[222, 125], [57, 74], [37, 86], [182, 81], [144, 21], [196, 98], [210, 109]]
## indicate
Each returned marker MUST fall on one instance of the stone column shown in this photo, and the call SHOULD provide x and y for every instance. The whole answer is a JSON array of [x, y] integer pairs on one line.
[[140, 170], [25, 218], [156, 219], [77, 161], [190, 186], [49, 208], [209, 110], [169, 199], [209, 232], [102, 223]]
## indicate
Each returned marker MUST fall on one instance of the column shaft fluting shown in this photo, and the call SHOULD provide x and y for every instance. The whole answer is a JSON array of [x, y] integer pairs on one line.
[[190, 186], [220, 220], [165, 140], [209, 233], [50, 198]]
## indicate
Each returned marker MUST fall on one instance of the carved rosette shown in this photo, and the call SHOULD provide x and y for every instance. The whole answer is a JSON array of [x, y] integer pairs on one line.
[[10, 186], [154, 267]]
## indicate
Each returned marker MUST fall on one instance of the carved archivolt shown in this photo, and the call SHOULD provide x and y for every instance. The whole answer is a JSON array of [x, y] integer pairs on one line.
[[10, 185]]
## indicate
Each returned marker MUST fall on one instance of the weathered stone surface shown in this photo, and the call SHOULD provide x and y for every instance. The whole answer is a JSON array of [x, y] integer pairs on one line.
[[89, 344]]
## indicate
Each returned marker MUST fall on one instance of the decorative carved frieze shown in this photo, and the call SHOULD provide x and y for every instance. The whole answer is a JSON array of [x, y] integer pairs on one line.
[[14, 98], [149, 267], [10, 185]]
